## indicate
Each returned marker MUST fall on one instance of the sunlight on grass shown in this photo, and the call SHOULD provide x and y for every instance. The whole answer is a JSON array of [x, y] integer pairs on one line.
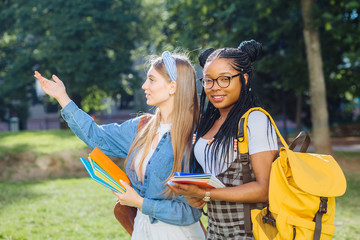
[[39, 142], [82, 209], [347, 219], [58, 209]]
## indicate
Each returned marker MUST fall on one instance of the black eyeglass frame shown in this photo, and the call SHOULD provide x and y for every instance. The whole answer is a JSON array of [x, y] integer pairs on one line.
[[216, 79]]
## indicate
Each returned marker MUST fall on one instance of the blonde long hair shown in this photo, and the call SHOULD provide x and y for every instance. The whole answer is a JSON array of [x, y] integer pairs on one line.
[[183, 117]]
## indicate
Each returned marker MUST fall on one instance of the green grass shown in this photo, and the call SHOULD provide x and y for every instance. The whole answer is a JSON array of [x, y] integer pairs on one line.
[[347, 217], [39, 142], [58, 209], [82, 209]]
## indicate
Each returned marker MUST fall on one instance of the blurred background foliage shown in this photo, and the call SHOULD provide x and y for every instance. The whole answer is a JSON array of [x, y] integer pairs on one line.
[[94, 45]]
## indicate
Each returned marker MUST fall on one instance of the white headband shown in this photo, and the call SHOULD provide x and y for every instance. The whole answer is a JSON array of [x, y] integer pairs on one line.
[[170, 65]]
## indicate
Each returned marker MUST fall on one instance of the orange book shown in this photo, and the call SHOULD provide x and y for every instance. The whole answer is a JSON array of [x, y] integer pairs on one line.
[[109, 166]]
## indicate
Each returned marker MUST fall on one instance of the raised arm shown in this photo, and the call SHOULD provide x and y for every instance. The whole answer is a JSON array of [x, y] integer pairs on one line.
[[113, 139]]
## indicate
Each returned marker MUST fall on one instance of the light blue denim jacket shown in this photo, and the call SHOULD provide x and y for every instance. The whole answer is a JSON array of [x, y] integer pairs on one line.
[[115, 140]]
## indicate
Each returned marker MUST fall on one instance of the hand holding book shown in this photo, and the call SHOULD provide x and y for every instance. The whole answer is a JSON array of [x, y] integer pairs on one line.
[[131, 198], [104, 171], [194, 186], [204, 180]]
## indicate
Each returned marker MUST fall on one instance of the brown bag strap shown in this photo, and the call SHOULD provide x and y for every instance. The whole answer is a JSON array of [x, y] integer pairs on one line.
[[143, 121], [304, 136]]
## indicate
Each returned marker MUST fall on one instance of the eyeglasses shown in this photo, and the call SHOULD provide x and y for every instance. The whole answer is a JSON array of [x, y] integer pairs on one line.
[[222, 81]]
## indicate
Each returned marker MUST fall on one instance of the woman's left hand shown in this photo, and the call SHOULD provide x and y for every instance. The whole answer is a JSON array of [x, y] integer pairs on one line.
[[196, 202], [130, 197], [187, 190]]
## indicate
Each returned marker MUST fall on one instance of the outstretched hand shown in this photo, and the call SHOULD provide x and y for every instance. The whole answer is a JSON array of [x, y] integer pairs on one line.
[[55, 88]]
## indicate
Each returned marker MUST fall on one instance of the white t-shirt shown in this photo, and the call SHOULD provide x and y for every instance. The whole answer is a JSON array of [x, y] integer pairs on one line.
[[262, 137], [163, 128]]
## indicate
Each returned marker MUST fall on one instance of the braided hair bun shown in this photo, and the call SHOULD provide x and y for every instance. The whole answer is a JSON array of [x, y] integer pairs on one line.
[[204, 54], [252, 48]]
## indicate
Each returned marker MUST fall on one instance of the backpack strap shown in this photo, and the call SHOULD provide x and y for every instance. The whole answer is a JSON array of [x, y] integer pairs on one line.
[[318, 217], [243, 141], [305, 144], [143, 121], [243, 148]]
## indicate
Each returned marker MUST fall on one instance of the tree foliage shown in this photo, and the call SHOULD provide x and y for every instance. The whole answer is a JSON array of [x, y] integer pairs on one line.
[[88, 44], [282, 71]]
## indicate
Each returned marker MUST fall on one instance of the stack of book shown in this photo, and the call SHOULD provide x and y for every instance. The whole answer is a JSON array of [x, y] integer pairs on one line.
[[200, 179], [104, 171]]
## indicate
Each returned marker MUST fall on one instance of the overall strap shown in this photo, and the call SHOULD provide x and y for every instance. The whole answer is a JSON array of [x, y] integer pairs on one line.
[[246, 173]]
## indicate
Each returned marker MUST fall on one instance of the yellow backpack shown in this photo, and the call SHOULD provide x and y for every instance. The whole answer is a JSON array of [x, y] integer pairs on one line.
[[302, 192]]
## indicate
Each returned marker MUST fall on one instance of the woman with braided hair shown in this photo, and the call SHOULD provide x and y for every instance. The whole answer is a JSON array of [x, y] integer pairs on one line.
[[227, 94]]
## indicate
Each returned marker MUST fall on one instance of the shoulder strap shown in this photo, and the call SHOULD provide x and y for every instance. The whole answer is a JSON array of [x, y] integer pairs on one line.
[[243, 142], [243, 148], [143, 121]]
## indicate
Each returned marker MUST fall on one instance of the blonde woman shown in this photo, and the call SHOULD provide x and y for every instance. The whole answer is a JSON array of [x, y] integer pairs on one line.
[[153, 153]]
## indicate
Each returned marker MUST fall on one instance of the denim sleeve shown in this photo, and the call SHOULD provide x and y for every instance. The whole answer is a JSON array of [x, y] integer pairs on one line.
[[175, 212], [113, 139]]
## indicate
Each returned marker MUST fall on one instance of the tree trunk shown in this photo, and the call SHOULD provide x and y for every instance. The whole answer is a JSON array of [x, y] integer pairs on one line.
[[319, 112]]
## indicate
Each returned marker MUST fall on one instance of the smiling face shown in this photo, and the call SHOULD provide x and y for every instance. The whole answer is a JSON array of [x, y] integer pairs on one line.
[[222, 98], [159, 92]]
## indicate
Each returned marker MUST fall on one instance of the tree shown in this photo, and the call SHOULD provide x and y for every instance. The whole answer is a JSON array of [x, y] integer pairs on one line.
[[338, 24], [88, 44], [319, 111], [278, 25], [281, 71]]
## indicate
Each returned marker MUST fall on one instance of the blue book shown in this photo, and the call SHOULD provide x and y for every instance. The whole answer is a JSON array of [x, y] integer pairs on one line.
[[91, 173], [100, 173]]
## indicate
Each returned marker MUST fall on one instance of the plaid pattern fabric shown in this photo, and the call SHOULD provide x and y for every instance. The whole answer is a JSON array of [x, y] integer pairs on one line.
[[226, 219]]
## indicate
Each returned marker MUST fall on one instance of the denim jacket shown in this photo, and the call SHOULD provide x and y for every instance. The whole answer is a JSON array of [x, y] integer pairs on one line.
[[115, 140]]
